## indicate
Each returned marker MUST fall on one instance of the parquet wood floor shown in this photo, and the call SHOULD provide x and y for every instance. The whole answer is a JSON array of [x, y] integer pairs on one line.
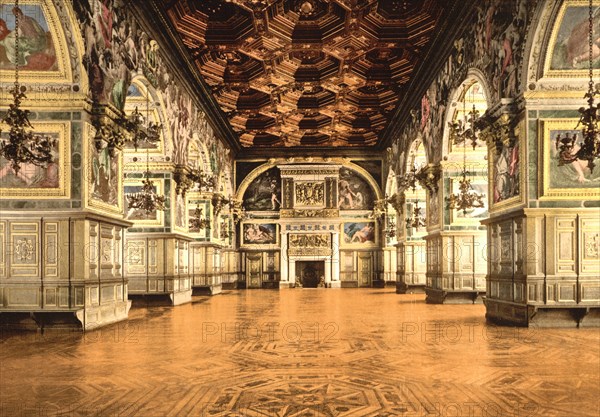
[[303, 353]]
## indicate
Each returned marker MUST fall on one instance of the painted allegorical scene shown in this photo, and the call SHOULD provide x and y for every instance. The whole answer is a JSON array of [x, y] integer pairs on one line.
[[138, 214], [36, 48], [506, 173], [104, 177], [480, 188], [30, 175], [571, 49], [255, 233], [361, 232], [354, 193], [264, 193], [566, 167]]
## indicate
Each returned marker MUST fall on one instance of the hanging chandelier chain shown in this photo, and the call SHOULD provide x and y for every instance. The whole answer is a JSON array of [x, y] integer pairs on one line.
[[17, 54], [591, 49], [465, 140]]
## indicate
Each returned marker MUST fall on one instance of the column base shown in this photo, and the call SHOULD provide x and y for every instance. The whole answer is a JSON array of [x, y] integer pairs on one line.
[[514, 314], [161, 299], [207, 289], [333, 284], [89, 318], [435, 296], [404, 288], [378, 283], [286, 284]]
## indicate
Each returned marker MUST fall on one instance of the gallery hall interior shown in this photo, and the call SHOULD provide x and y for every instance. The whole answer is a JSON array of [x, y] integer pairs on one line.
[[299, 208]]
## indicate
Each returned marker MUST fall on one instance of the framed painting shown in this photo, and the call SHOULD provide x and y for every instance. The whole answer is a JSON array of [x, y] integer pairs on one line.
[[360, 233], [472, 215], [568, 50], [259, 234], [140, 217], [103, 176], [52, 181], [43, 49], [354, 192], [203, 205], [264, 192], [180, 212], [561, 174], [506, 178], [433, 208]]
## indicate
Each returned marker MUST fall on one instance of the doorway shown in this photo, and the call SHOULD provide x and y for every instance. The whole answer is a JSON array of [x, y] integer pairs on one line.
[[311, 273]]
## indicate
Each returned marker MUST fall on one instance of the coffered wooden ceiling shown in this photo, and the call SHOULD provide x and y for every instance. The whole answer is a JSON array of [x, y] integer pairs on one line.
[[325, 73]]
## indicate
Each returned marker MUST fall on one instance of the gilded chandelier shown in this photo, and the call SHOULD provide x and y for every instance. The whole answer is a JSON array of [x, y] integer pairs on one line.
[[466, 198], [146, 199], [589, 150], [236, 208], [23, 146], [390, 229], [140, 131], [205, 182]]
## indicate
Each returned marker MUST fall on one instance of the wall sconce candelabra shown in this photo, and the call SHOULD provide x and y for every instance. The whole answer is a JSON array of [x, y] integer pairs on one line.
[[23, 146], [589, 149], [198, 221]]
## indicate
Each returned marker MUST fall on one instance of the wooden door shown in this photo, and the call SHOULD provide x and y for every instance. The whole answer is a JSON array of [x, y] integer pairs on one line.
[[254, 271], [365, 269]]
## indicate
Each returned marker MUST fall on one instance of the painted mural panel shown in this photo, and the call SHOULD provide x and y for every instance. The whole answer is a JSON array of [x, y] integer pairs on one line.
[[52, 180], [564, 173], [264, 193], [36, 48], [142, 217], [180, 212], [104, 177], [354, 191], [570, 50], [479, 186], [359, 232], [505, 173], [259, 233], [32, 176]]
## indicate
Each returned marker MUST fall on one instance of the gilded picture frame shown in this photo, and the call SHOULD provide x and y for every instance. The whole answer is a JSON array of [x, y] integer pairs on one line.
[[136, 216], [568, 56], [34, 9], [569, 180], [359, 233], [433, 219], [474, 215], [493, 156], [194, 201], [47, 183], [259, 234], [94, 197]]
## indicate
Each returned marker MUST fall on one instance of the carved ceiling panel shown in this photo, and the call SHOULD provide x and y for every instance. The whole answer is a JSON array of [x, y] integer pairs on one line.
[[307, 72]]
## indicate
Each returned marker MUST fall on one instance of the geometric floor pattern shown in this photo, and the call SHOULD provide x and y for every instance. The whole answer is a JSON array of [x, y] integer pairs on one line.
[[303, 353]]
